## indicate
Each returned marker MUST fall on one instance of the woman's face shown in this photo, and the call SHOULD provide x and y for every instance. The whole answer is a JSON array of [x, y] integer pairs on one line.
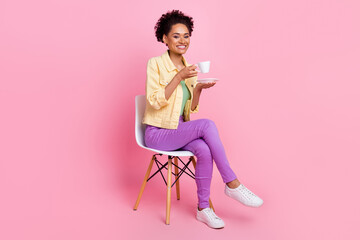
[[178, 39]]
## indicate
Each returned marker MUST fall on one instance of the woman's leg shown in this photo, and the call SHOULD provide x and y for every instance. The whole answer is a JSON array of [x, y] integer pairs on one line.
[[203, 170], [173, 139]]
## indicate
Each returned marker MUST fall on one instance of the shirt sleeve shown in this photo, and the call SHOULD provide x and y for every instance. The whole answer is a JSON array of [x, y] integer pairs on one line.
[[155, 92], [195, 110], [197, 106]]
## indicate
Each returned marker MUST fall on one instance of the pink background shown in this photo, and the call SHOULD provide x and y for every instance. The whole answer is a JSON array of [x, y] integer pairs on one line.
[[287, 109]]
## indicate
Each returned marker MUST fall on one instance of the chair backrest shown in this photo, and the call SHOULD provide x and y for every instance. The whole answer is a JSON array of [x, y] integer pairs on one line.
[[140, 104]]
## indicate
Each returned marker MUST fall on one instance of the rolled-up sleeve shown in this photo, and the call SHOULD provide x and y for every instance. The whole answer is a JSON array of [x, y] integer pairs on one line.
[[195, 110], [197, 106], [155, 93]]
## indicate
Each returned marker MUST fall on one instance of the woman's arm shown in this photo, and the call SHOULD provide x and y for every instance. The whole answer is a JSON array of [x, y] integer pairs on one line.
[[170, 88], [186, 72], [196, 97]]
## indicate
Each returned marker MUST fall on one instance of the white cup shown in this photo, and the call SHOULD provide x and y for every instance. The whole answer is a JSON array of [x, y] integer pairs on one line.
[[204, 66]]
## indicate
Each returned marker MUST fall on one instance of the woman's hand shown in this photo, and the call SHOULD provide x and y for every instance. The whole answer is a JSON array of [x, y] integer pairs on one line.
[[200, 86], [188, 72]]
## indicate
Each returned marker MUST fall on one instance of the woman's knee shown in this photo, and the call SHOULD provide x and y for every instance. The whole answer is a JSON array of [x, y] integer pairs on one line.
[[208, 124]]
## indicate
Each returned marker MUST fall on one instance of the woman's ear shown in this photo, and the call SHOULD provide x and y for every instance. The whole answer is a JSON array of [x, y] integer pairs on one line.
[[165, 39]]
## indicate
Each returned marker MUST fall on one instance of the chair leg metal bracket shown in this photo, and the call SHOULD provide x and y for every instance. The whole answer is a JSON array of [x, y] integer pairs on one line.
[[177, 176]]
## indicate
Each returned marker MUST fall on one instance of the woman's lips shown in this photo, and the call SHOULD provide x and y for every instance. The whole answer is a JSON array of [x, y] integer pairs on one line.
[[181, 46]]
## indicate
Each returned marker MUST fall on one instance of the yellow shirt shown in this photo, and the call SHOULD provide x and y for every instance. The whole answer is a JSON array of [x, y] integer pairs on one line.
[[160, 112]]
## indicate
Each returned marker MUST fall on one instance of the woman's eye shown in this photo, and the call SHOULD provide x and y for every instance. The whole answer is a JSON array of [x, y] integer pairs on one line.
[[178, 36]]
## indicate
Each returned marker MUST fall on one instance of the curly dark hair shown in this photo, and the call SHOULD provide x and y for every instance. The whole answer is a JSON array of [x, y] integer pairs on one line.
[[164, 24]]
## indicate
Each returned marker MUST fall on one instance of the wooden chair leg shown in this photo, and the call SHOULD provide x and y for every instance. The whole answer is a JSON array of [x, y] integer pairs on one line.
[[194, 164], [211, 205], [168, 192], [178, 181], [144, 182]]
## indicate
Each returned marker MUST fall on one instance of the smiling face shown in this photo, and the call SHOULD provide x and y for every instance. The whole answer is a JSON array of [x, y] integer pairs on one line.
[[178, 39]]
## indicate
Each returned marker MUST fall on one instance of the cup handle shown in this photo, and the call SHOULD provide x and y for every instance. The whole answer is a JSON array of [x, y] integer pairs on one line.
[[197, 67]]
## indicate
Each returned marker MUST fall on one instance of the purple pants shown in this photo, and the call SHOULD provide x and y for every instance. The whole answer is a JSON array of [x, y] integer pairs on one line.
[[201, 137]]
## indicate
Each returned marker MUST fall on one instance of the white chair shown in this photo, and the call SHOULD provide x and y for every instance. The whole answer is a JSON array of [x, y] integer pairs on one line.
[[140, 103]]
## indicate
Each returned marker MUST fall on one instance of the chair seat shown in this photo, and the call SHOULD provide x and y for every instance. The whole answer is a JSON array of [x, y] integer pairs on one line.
[[178, 153]]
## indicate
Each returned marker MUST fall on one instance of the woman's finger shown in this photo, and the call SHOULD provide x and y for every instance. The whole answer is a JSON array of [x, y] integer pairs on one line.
[[194, 66], [210, 84], [193, 74]]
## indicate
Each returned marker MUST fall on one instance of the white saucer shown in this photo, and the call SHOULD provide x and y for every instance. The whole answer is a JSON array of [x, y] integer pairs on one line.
[[206, 80]]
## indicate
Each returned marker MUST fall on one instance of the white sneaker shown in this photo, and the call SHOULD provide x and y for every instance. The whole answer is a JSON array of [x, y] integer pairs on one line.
[[208, 216], [243, 195]]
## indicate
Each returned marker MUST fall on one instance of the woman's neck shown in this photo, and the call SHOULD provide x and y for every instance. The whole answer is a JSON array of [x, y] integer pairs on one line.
[[175, 58]]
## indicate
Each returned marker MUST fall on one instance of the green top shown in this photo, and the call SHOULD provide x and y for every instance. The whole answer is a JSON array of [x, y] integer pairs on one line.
[[186, 96]]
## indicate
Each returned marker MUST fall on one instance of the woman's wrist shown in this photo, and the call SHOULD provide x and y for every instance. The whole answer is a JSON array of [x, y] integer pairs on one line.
[[197, 89], [178, 77]]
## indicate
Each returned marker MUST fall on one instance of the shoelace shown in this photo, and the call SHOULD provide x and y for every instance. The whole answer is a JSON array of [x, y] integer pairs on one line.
[[247, 193], [211, 213]]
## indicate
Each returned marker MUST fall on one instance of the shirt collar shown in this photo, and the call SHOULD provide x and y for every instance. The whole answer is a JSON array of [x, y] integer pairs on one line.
[[169, 64]]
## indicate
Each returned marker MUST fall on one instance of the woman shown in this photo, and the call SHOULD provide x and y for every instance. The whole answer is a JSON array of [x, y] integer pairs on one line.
[[172, 93]]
